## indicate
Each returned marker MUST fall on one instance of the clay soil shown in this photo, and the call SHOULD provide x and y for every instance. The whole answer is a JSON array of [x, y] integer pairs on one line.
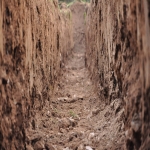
[[76, 118]]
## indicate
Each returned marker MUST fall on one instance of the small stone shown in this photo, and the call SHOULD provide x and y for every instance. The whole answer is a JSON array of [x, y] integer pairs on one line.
[[81, 147], [136, 122], [135, 125], [62, 130], [72, 100], [91, 135], [128, 133], [39, 145], [95, 112], [107, 114], [63, 99], [64, 123], [35, 137], [72, 122], [122, 127], [75, 135], [59, 133], [8, 81], [28, 147], [88, 148], [50, 146], [67, 148]]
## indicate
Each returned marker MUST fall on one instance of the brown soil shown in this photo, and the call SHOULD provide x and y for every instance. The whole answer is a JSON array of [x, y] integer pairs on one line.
[[76, 118], [74, 78], [118, 58]]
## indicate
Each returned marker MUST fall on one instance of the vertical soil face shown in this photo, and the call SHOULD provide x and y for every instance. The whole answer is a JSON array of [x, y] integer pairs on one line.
[[32, 50], [118, 56]]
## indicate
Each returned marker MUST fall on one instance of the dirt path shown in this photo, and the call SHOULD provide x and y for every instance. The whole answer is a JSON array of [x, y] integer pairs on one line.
[[76, 118]]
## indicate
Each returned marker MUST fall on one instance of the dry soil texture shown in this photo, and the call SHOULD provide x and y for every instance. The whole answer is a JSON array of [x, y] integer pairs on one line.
[[118, 56], [34, 44]]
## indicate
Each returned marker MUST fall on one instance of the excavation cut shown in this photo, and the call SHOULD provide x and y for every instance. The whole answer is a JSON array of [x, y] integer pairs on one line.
[[77, 118]]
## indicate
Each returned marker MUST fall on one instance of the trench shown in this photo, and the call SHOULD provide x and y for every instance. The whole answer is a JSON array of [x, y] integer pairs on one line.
[[77, 118], [74, 76]]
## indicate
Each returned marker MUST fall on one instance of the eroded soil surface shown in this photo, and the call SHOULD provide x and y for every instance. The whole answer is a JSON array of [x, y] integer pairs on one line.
[[77, 118]]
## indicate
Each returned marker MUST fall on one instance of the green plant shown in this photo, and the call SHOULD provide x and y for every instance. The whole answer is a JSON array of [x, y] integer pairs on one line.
[[72, 114], [56, 110], [71, 3]]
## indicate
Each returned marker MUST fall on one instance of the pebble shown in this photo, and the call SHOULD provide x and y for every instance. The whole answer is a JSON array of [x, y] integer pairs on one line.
[[136, 122], [95, 112], [91, 135], [39, 145], [64, 123], [62, 130], [88, 148], [135, 125], [28, 147], [50, 146], [67, 148], [128, 134], [81, 147]]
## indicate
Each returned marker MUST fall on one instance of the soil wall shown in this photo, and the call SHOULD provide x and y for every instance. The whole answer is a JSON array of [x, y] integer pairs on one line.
[[118, 57], [33, 47]]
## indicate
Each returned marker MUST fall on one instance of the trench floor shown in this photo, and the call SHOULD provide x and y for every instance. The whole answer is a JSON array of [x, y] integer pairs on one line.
[[77, 118]]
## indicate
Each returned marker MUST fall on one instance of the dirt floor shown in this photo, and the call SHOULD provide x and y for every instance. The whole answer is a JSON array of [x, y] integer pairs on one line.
[[77, 118]]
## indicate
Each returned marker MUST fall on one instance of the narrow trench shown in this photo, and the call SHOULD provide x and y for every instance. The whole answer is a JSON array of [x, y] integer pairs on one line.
[[76, 118], [74, 76]]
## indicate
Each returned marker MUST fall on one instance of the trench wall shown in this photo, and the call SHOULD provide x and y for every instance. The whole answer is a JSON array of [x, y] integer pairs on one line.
[[33, 47], [118, 58]]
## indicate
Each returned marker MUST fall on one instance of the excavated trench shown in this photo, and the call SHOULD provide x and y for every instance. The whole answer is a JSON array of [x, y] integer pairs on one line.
[[74, 78]]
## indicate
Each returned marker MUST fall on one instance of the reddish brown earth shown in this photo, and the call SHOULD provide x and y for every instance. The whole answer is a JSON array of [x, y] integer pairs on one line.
[[74, 78]]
